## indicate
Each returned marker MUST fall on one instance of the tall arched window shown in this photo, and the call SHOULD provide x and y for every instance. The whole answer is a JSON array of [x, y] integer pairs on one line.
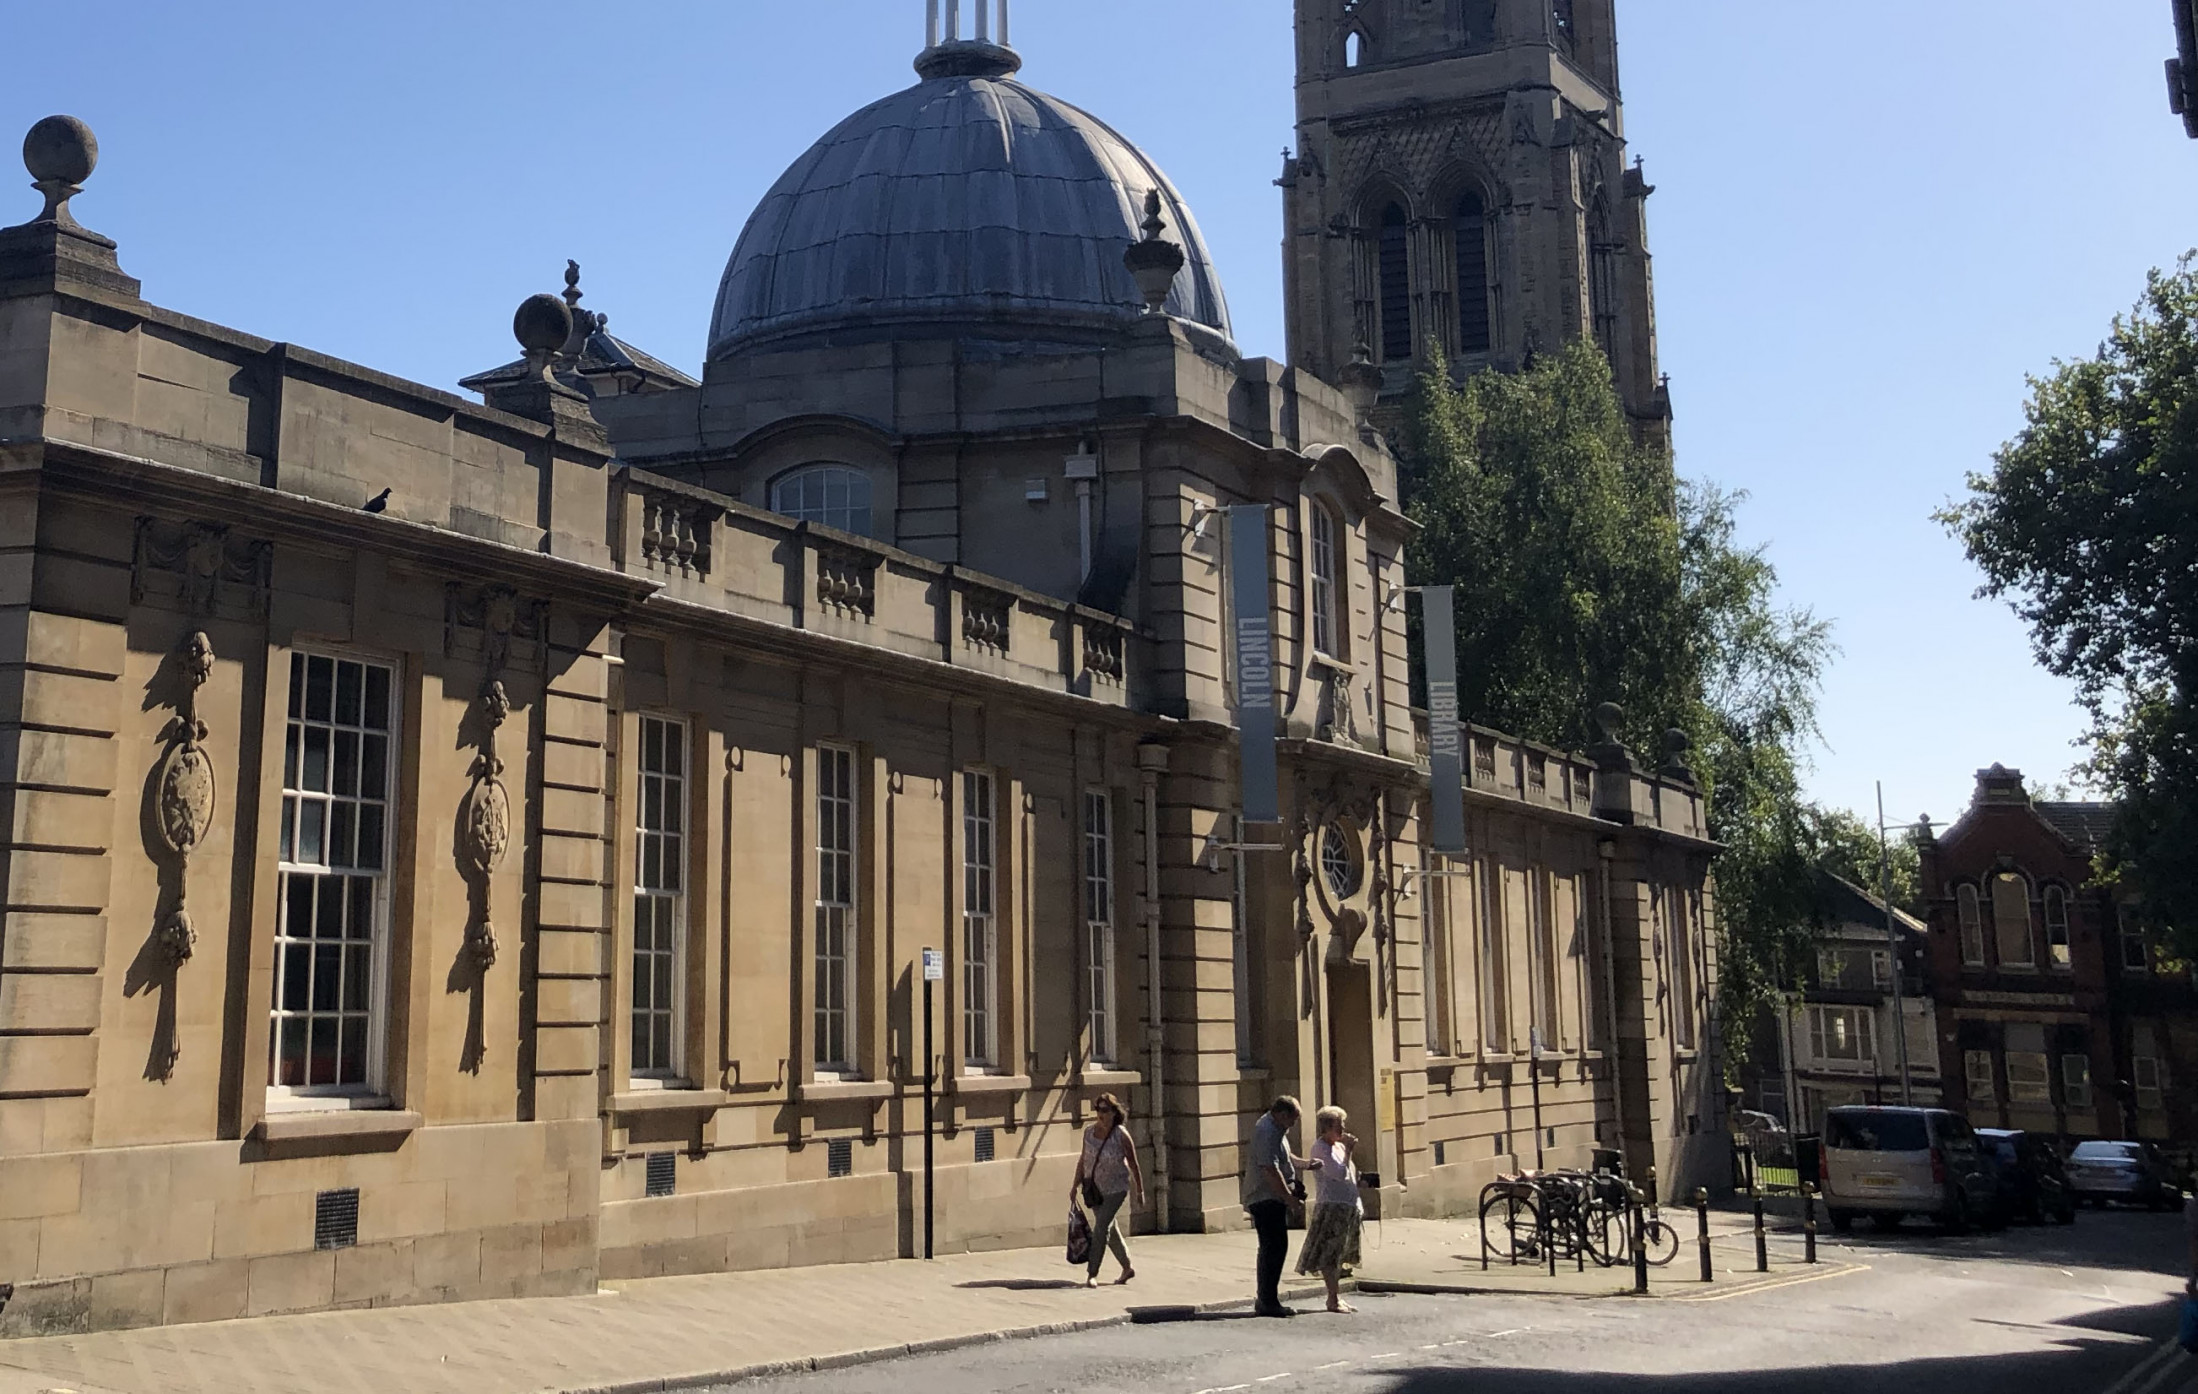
[[1321, 600], [1972, 926], [1396, 286], [1354, 49], [1602, 280], [1472, 239], [2056, 927], [833, 495], [2011, 921]]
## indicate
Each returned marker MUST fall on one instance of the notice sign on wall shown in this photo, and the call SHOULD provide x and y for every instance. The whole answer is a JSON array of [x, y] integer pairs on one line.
[[934, 965], [1445, 741], [1251, 625]]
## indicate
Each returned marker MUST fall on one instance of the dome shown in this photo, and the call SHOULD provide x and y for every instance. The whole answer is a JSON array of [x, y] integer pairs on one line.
[[967, 206]]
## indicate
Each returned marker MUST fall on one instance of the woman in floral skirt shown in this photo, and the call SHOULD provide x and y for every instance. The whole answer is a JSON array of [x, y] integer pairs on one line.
[[1332, 1231]]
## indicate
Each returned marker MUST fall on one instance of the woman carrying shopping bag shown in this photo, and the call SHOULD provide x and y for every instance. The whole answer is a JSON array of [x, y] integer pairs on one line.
[[1106, 1175]]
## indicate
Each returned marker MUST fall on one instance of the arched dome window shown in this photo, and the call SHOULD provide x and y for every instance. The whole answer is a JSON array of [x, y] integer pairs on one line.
[[833, 495], [1471, 229], [1396, 286]]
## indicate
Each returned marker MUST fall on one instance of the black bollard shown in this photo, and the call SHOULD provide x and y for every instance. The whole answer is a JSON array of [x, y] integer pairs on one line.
[[1640, 1246], [1808, 1223], [1702, 1230], [1762, 1246]]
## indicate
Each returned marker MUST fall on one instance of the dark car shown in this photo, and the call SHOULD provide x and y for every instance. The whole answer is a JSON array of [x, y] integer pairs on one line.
[[2132, 1172], [2029, 1183]]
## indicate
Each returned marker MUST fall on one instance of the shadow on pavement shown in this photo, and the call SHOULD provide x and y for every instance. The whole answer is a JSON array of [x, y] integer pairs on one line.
[[2081, 1365], [1150, 1316], [1023, 1284]]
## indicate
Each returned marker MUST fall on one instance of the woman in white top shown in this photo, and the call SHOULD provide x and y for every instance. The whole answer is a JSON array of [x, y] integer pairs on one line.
[[1105, 1176], [1332, 1231]]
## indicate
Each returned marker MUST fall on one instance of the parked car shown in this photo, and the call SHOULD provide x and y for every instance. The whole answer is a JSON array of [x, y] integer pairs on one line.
[[1890, 1163], [1765, 1136], [2131, 1172], [2030, 1182]]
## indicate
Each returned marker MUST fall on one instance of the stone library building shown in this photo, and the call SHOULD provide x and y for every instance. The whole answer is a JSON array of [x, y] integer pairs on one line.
[[485, 842]]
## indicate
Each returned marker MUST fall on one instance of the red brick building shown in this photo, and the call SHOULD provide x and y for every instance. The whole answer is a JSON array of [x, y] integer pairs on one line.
[[2052, 1015]]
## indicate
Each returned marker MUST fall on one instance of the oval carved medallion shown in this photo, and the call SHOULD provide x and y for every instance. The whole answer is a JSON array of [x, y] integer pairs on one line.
[[186, 798]]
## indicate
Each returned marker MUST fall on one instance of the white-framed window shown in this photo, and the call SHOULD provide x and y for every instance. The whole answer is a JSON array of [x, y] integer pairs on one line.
[[2149, 1075], [2011, 921], [1976, 1068], [1542, 951], [2056, 928], [838, 918], [2029, 1078], [1099, 923], [1495, 972], [1971, 915], [328, 1015], [980, 927], [1680, 906], [2076, 1080], [833, 495], [1323, 571], [2132, 937], [1831, 965], [1842, 1036], [660, 899], [1881, 968], [1441, 1029]]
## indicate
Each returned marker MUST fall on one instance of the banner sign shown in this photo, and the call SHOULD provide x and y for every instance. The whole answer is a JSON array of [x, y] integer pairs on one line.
[[1445, 742], [1251, 623]]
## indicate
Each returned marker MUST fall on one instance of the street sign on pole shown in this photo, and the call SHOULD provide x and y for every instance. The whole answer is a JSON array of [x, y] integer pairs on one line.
[[934, 965]]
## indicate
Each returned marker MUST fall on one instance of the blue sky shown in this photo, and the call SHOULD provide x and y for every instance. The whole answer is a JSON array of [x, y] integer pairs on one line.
[[1872, 220]]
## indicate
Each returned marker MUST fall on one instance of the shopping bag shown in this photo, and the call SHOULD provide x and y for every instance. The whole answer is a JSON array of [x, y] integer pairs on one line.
[[2189, 1336], [1079, 1235]]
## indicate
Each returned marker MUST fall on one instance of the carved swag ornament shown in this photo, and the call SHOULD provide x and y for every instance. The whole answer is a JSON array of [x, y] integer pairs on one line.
[[487, 821], [184, 792]]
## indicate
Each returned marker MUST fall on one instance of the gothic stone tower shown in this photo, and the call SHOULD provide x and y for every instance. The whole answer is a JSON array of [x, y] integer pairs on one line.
[[1460, 179]]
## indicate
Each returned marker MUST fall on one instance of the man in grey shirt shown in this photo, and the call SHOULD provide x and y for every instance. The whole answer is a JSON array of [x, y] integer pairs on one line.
[[1270, 1197]]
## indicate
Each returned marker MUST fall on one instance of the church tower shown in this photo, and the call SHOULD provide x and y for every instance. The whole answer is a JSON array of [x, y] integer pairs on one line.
[[1460, 179]]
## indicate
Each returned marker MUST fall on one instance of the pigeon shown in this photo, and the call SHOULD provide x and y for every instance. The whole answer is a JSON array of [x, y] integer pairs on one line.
[[378, 503]]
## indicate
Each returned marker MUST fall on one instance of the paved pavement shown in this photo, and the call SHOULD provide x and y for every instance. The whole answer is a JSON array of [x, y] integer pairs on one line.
[[950, 1316], [2083, 1311], [674, 1331]]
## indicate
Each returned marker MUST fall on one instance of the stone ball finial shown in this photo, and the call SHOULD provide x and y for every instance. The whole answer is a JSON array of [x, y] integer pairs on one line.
[[60, 152], [542, 325], [61, 149], [1609, 719]]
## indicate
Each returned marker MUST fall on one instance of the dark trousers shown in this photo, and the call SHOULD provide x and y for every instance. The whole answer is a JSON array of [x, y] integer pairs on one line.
[[1272, 1219]]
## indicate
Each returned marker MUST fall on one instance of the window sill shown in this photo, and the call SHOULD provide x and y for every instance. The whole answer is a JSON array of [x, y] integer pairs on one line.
[[988, 1084], [834, 1091], [668, 1100], [300, 1125], [1102, 1078]]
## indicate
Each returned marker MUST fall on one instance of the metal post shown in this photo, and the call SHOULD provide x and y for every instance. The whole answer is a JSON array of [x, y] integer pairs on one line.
[[1549, 1234], [1640, 1246], [1892, 946], [929, 1079], [1702, 1230], [1808, 1222], [1534, 1075], [1762, 1245]]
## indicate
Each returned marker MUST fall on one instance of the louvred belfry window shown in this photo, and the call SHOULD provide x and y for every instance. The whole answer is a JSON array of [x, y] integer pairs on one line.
[[1475, 329], [1395, 261]]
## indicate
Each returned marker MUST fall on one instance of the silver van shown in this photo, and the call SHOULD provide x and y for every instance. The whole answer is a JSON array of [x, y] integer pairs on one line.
[[1889, 1163]]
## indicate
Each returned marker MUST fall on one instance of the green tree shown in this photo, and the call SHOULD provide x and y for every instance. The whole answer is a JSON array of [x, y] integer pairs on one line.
[[1587, 572], [2088, 525], [1847, 846]]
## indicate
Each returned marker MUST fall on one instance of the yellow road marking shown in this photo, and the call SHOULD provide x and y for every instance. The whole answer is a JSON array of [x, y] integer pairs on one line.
[[1795, 1281]]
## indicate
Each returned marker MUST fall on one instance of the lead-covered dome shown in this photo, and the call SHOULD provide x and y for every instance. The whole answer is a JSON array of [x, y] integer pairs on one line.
[[967, 206]]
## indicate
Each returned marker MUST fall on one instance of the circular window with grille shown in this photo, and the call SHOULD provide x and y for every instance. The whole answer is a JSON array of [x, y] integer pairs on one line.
[[1339, 860]]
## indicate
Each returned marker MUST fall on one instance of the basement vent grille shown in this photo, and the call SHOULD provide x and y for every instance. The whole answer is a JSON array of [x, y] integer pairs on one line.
[[839, 1157], [663, 1173], [984, 1144], [336, 1219]]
